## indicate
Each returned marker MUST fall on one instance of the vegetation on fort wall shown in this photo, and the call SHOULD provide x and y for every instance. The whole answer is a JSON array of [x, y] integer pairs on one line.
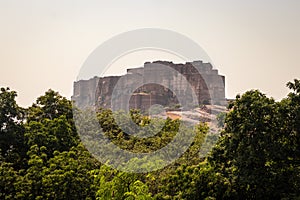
[[257, 155]]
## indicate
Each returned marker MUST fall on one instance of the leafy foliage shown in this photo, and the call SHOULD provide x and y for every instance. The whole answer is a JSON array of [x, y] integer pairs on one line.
[[257, 155], [12, 141]]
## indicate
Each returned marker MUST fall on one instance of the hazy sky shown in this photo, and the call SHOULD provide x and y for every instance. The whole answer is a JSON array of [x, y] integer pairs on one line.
[[43, 44]]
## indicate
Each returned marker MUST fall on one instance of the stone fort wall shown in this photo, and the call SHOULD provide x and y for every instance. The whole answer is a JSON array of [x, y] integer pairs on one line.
[[207, 84]]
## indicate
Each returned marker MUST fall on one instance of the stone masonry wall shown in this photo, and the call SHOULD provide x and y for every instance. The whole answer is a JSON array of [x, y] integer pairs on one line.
[[208, 85]]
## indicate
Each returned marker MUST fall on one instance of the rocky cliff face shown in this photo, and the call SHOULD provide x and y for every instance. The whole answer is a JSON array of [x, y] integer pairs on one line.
[[159, 82]]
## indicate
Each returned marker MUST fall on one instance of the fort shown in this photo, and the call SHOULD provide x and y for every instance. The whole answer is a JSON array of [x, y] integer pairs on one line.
[[207, 84]]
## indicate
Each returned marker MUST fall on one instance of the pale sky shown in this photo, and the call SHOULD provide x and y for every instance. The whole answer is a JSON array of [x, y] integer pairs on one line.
[[43, 44]]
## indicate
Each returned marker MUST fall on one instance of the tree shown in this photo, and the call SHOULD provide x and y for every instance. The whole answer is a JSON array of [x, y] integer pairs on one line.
[[259, 147], [54, 134], [34, 174], [12, 143], [138, 191], [51, 105], [68, 175], [50, 123], [8, 178], [257, 155]]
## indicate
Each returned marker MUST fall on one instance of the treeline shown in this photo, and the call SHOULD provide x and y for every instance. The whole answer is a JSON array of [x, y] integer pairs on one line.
[[257, 155]]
